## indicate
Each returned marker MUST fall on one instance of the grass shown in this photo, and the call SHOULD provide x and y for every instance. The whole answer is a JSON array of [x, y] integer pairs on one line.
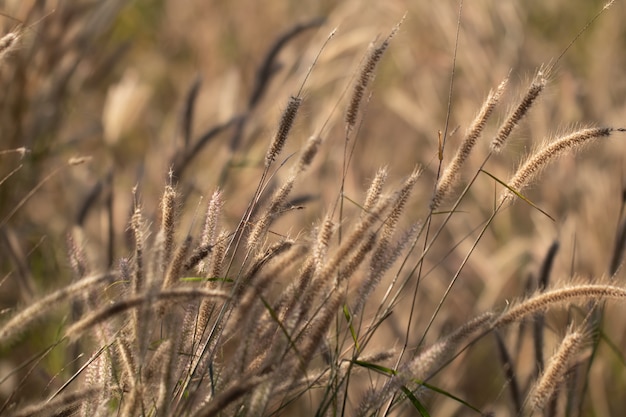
[[314, 226]]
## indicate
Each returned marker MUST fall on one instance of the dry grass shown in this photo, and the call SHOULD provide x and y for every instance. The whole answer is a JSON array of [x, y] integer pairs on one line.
[[293, 288]]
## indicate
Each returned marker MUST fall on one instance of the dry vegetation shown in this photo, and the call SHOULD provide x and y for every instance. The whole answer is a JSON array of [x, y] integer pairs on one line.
[[312, 208]]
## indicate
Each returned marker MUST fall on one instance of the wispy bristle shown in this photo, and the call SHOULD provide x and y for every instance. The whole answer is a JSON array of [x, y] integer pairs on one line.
[[217, 260], [125, 270], [99, 376], [197, 257], [352, 240]]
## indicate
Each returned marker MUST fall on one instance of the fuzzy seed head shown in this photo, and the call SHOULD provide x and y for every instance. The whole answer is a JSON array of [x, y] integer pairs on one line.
[[451, 173], [375, 190], [366, 76], [286, 123], [309, 152], [168, 222], [7, 43], [556, 370], [536, 87], [553, 298], [538, 161], [368, 71]]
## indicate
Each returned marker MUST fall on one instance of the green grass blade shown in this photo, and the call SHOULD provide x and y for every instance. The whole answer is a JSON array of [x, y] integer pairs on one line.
[[346, 313], [449, 395], [518, 194], [416, 403], [374, 367]]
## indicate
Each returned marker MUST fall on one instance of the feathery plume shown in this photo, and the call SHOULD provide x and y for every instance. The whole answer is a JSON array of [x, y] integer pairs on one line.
[[214, 273], [176, 266], [35, 311], [375, 189], [540, 159], [126, 357], [174, 270], [259, 262], [352, 240], [451, 173], [209, 231], [308, 153], [276, 205], [112, 310], [382, 259], [423, 364], [320, 248], [137, 227], [8, 43], [556, 369], [536, 87], [400, 202], [555, 297], [318, 326], [165, 238], [352, 263], [59, 405], [77, 257], [366, 76], [428, 360], [286, 123]]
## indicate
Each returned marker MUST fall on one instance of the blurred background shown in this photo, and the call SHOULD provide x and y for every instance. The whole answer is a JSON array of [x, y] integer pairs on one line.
[[111, 80]]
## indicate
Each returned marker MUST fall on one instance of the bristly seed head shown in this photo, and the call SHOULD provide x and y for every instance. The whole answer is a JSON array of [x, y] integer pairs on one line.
[[286, 123], [556, 370], [168, 220], [7, 43], [535, 89], [535, 163], [365, 77], [451, 173]]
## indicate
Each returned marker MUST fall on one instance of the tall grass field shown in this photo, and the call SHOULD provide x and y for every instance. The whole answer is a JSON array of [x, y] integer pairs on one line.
[[312, 208]]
